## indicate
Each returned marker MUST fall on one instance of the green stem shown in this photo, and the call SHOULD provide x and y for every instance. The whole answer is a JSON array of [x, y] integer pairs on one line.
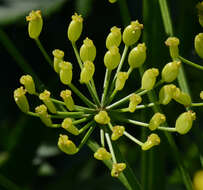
[[77, 55], [80, 121], [196, 104], [190, 63], [70, 113], [46, 56], [86, 127], [133, 138], [102, 137], [108, 139]]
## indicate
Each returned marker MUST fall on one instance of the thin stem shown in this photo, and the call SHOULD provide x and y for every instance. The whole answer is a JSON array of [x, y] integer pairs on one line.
[[112, 96], [102, 137], [130, 71], [70, 113], [85, 127], [136, 122], [190, 63], [46, 56], [77, 55], [80, 121], [196, 104], [108, 139], [81, 96], [133, 138], [169, 129]]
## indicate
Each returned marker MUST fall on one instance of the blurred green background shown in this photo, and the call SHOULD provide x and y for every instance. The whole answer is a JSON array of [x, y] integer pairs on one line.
[[29, 157]]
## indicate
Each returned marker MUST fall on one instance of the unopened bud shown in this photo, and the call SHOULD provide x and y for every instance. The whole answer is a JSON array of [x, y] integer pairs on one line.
[[117, 132], [166, 93], [66, 72], [68, 126], [149, 78], [120, 80], [102, 118], [114, 38], [156, 121], [58, 58], [201, 95], [152, 140], [112, 58], [173, 43], [184, 122], [29, 84], [117, 169], [199, 44], [21, 100], [68, 100], [67, 145], [182, 97], [102, 154], [134, 101], [170, 71], [87, 72], [137, 56], [198, 179], [35, 24], [112, 1], [132, 33], [45, 97], [75, 28], [200, 12]]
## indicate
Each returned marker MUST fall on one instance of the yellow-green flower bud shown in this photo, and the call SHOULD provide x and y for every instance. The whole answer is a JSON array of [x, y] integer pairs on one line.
[[43, 115], [137, 56], [170, 71], [112, 58], [184, 122], [117, 132], [68, 100], [117, 169], [120, 80], [87, 72], [102, 118], [58, 58], [134, 101], [199, 44], [114, 37], [166, 93], [68, 126], [21, 100], [45, 97], [132, 33], [200, 12], [152, 140], [198, 180], [149, 78], [67, 145], [201, 95], [75, 28], [182, 97], [156, 121], [29, 84], [66, 72], [35, 24], [102, 154], [112, 1], [173, 43], [87, 50]]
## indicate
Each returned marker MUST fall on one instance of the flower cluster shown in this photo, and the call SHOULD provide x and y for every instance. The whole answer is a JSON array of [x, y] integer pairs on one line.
[[100, 113]]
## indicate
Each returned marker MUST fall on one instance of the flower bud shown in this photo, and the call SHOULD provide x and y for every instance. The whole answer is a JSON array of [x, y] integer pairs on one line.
[[117, 169], [75, 28], [152, 140], [102, 154], [200, 12], [102, 118], [184, 122], [156, 121], [166, 93], [114, 37], [45, 97], [132, 33], [87, 72], [117, 132], [149, 78], [66, 72], [68, 126], [198, 180], [21, 100], [112, 1], [35, 24], [29, 84], [43, 115], [112, 58], [134, 101], [170, 71], [120, 80], [87, 50], [199, 44], [67, 145], [201, 95], [182, 97], [58, 58], [137, 56], [68, 100], [173, 43]]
